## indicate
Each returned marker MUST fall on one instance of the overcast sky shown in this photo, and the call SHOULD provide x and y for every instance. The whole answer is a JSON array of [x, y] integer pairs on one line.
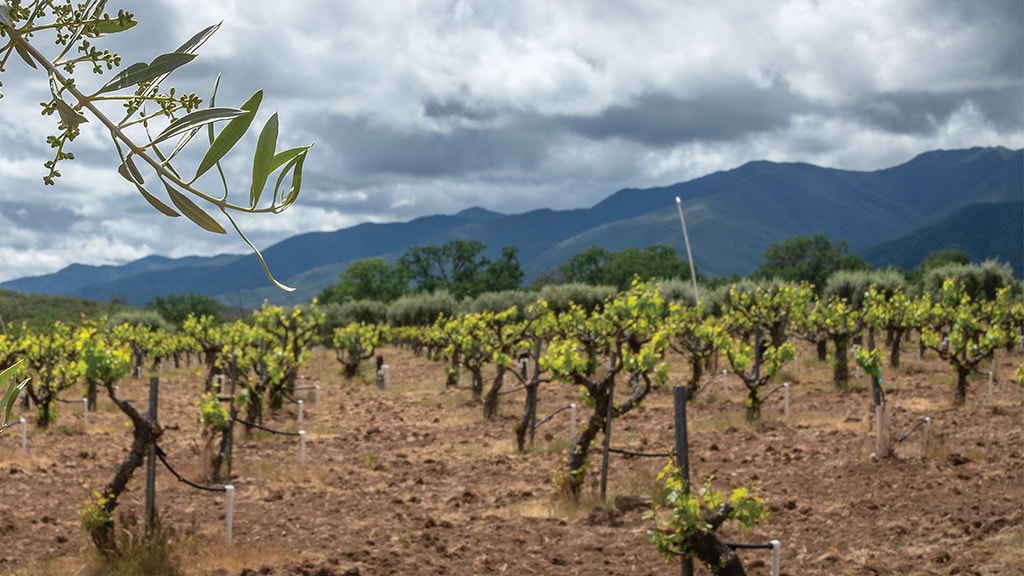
[[432, 106]]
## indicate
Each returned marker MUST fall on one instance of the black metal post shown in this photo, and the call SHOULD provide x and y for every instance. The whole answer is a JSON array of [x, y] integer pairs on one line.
[[607, 439], [150, 512]]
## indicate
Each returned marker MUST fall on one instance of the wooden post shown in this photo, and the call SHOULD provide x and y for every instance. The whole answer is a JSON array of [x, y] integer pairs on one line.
[[882, 448], [682, 453]]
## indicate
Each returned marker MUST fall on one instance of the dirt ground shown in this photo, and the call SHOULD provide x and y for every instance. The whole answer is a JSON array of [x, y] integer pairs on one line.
[[412, 480]]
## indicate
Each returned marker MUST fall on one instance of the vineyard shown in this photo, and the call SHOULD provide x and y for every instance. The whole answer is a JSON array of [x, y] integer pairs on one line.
[[451, 448]]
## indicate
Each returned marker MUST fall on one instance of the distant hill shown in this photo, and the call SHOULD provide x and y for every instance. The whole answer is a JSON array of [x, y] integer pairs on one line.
[[984, 231], [966, 199]]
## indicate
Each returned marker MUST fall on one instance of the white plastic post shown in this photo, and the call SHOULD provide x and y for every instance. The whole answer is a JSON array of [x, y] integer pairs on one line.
[[316, 396], [725, 381], [302, 447], [230, 515], [796, 363], [117, 392], [785, 397], [386, 370], [776, 557], [572, 422], [24, 435], [991, 381], [220, 384], [85, 410], [300, 411], [927, 428]]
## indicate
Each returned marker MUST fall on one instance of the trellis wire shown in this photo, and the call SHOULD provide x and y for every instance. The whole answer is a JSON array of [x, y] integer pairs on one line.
[[552, 415], [163, 458], [774, 545], [643, 454], [301, 434], [785, 388], [265, 429], [926, 420]]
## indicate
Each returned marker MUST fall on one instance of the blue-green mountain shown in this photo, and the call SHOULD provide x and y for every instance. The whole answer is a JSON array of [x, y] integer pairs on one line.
[[971, 199]]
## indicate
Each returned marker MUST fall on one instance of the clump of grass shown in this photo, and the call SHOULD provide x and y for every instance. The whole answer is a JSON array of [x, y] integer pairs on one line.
[[139, 554]]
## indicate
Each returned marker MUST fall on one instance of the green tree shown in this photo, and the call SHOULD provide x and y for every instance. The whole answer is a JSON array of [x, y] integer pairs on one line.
[[938, 259], [461, 268], [148, 124], [656, 262], [502, 274], [808, 259], [370, 279], [586, 267], [597, 266], [176, 308]]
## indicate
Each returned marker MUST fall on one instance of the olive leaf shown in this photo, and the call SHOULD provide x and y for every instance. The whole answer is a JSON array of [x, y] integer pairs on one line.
[[193, 212], [230, 135], [140, 72], [263, 160], [197, 119]]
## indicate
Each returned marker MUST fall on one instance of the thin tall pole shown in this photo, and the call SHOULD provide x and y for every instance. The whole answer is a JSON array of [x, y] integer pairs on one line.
[[689, 253]]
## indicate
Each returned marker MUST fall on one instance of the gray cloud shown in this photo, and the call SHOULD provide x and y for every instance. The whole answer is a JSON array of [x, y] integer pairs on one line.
[[433, 106], [924, 113], [663, 120]]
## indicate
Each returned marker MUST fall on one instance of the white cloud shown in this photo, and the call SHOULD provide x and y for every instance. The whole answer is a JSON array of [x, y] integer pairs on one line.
[[431, 106]]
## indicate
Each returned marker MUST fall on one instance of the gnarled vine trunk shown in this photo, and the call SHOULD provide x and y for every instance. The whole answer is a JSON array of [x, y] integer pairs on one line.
[[145, 432]]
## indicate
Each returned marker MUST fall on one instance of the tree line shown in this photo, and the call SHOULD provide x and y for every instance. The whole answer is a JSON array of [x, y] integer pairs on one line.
[[461, 269]]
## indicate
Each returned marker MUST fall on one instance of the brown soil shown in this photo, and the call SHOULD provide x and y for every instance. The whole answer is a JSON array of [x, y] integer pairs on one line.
[[412, 480]]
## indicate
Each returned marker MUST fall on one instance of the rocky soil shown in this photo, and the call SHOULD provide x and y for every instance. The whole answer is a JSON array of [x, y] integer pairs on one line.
[[413, 480]]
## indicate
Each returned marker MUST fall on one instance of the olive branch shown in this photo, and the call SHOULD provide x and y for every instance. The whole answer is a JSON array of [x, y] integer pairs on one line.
[[179, 118]]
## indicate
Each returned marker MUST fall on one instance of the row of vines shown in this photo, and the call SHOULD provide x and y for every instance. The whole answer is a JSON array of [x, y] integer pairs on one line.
[[619, 342]]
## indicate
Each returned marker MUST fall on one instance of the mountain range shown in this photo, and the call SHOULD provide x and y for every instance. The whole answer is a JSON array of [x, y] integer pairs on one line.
[[970, 199]]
